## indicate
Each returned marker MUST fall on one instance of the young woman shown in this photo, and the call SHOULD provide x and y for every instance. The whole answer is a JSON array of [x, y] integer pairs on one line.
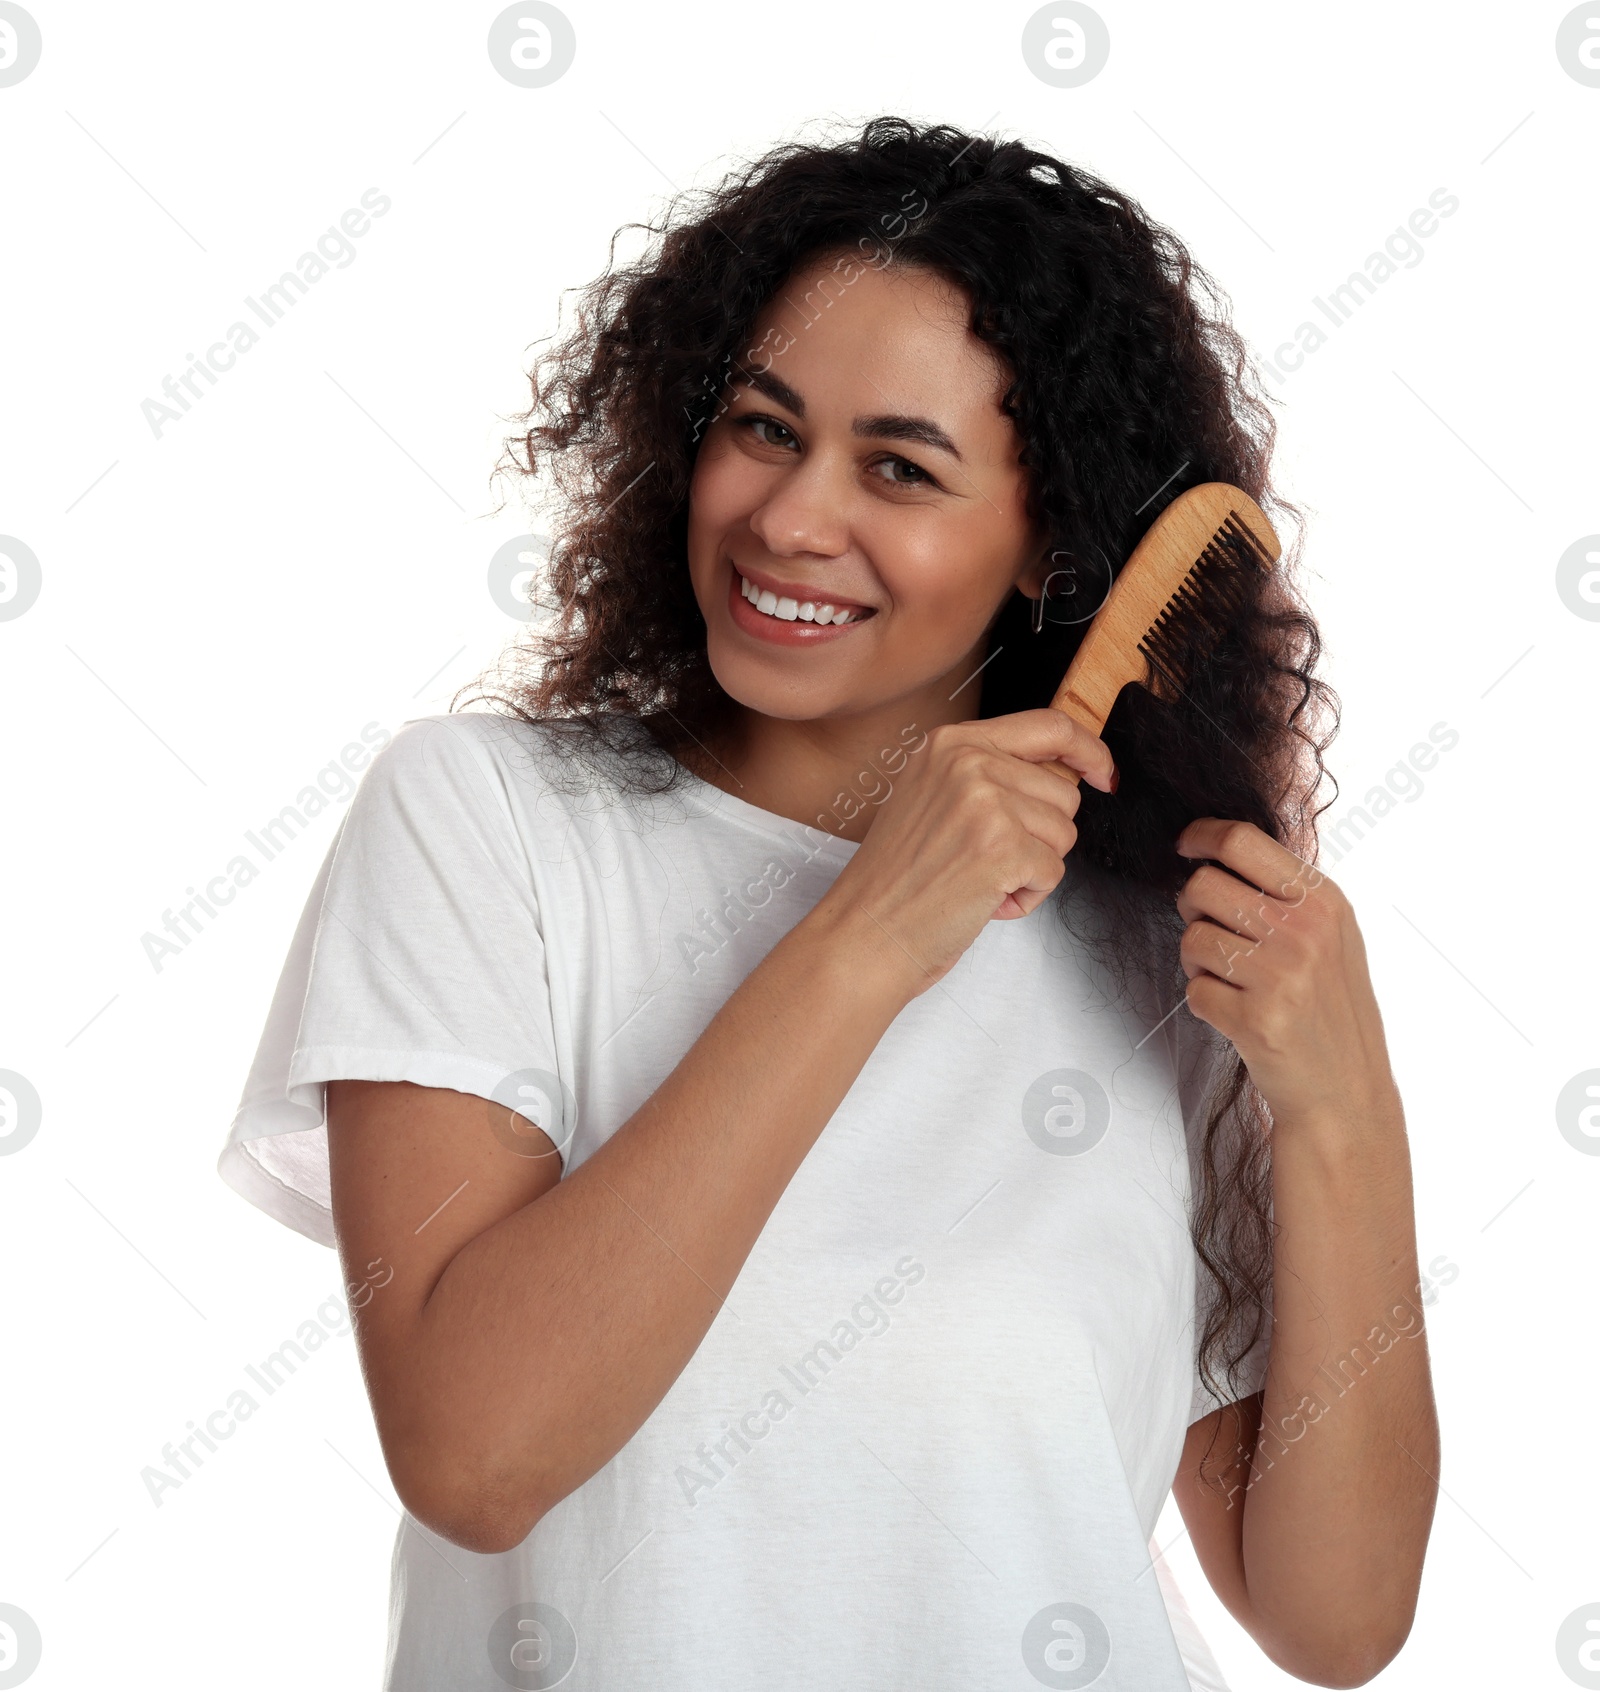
[[812, 1179]]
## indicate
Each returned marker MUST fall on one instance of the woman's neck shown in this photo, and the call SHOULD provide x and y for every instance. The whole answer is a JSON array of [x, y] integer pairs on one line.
[[830, 773]]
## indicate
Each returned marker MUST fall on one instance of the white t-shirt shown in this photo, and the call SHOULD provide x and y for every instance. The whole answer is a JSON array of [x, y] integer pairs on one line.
[[926, 1439]]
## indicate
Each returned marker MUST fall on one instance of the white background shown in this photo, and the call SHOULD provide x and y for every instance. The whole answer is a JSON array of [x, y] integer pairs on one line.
[[226, 606]]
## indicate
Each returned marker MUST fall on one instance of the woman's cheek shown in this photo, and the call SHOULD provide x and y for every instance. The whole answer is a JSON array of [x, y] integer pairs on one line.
[[952, 605]]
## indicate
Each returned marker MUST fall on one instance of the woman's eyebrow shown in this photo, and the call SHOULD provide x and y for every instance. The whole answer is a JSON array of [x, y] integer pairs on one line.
[[897, 427], [885, 425]]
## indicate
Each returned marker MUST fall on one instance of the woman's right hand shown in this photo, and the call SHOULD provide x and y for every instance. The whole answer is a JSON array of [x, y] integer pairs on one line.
[[977, 827]]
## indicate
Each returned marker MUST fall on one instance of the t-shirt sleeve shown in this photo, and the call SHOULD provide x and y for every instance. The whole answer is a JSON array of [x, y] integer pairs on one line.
[[1205, 1057], [420, 957]]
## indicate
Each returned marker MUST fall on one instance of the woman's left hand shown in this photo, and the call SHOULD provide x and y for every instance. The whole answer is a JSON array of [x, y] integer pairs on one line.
[[1276, 963]]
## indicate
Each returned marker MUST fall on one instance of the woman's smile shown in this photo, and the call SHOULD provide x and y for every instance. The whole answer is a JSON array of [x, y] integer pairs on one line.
[[771, 610]]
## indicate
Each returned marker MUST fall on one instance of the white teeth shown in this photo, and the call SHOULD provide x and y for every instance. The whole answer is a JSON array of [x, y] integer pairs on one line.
[[791, 610]]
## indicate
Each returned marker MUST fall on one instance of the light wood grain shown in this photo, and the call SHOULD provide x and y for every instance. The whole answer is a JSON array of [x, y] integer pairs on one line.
[[1109, 657]]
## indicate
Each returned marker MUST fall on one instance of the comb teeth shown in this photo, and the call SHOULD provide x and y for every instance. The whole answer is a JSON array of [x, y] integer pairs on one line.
[[1206, 605]]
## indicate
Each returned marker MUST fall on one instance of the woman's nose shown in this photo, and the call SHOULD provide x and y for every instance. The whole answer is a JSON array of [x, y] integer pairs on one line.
[[806, 510]]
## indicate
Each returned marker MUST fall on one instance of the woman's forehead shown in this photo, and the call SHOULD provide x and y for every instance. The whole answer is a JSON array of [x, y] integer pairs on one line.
[[877, 344]]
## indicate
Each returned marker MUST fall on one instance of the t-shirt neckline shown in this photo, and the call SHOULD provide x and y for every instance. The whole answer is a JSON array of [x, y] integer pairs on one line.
[[787, 829]]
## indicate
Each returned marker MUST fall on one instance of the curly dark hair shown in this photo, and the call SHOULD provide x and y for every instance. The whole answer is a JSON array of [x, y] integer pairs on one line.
[[1127, 386]]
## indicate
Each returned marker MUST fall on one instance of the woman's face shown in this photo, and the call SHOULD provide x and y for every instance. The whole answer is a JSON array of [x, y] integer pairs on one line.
[[865, 465]]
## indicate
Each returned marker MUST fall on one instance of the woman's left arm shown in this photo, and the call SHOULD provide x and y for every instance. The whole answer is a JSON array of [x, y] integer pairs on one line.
[[1316, 1538]]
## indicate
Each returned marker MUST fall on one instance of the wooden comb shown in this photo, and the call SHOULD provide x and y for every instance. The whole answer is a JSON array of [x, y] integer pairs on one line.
[[1185, 580]]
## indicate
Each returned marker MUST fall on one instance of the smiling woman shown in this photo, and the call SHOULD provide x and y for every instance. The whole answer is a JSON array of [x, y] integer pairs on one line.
[[758, 945], [913, 555]]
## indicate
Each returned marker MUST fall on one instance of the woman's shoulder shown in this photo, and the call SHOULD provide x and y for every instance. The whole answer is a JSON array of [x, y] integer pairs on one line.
[[529, 766]]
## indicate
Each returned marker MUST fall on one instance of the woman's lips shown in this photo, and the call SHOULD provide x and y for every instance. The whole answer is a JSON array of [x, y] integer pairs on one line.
[[775, 630]]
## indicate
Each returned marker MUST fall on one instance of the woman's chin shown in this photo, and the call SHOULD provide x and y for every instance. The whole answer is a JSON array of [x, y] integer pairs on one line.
[[752, 684]]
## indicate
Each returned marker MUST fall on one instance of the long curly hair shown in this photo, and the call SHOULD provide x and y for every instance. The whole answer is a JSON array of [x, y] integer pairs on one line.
[[1127, 386]]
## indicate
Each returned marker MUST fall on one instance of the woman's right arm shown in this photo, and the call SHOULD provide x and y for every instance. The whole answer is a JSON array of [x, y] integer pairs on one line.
[[532, 1324]]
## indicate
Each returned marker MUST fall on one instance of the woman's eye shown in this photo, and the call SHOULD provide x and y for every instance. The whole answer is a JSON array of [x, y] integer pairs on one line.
[[902, 472], [755, 424], [918, 477]]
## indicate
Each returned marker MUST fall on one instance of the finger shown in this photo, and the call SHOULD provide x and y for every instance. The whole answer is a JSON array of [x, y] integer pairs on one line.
[[1045, 819], [1252, 854], [1040, 782], [1209, 950], [1219, 1003], [1046, 735], [1231, 903], [1040, 880]]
